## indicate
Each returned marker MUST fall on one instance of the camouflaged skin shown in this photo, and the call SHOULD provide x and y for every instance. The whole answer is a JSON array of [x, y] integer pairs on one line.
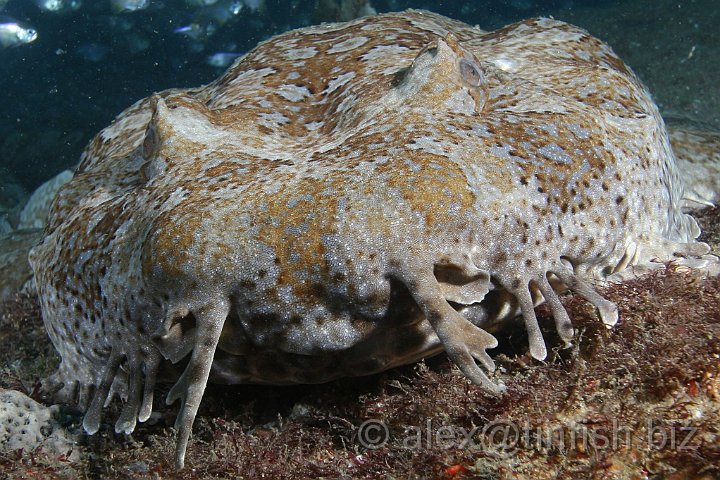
[[697, 151], [351, 197]]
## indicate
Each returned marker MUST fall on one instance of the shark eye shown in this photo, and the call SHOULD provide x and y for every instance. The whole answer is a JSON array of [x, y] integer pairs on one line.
[[470, 72], [150, 143]]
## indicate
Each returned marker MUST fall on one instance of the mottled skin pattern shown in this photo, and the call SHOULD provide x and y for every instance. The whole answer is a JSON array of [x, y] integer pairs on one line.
[[697, 151], [348, 198]]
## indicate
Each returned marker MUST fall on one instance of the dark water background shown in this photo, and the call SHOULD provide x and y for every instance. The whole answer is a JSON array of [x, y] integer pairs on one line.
[[54, 96]]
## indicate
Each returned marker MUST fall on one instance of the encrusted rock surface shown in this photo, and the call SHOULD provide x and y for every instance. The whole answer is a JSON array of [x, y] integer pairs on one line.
[[28, 425]]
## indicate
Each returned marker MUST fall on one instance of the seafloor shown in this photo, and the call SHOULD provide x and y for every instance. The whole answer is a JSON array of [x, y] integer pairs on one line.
[[639, 401]]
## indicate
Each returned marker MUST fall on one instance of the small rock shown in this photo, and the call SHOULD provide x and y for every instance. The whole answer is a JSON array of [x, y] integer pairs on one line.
[[26, 424]]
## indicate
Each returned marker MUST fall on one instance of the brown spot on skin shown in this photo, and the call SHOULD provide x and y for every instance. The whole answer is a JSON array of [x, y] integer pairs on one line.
[[625, 215]]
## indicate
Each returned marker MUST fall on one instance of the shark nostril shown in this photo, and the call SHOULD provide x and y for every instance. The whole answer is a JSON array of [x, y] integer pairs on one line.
[[470, 72]]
